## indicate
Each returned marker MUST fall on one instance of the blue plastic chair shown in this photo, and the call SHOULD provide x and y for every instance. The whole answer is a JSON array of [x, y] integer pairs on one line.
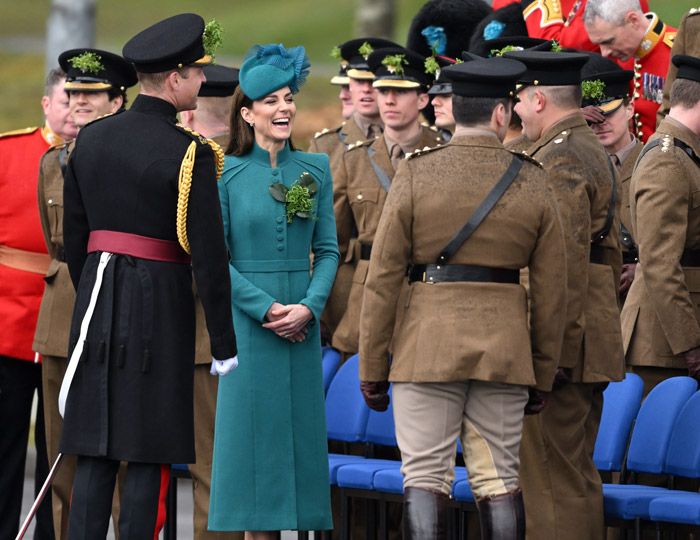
[[330, 360], [648, 449], [621, 402], [683, 459], [346, 413]]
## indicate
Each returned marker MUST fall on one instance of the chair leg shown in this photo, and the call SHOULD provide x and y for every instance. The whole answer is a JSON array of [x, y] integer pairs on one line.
[[371, 519], [637, 529], [383, 529], [345, 509], [302, 535]]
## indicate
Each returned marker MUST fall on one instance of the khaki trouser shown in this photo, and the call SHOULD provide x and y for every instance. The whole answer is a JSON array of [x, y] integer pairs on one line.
[[205, 388], [561, 485], [487, 416], [652, 375]]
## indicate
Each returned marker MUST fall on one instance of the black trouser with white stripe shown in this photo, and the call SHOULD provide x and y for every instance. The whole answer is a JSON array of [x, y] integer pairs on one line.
[[142, 503]]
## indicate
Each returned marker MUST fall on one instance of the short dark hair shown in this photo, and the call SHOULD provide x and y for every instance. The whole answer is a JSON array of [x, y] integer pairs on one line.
[[470, 111], [54, 77], [685, 93], [115, 92]]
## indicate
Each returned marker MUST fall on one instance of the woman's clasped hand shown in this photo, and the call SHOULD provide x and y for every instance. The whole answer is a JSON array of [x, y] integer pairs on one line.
[[289, 321]]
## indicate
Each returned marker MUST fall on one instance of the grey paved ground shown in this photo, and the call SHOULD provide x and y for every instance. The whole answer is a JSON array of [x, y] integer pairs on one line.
[[184, 504]]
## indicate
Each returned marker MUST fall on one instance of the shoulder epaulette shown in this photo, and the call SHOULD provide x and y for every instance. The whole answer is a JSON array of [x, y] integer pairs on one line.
[[561, 137], [524, 155], [326, 131], [693, 11], [669, 38], [424, 150], [360, 144], [103, 117], [15, 132], [216, 148]]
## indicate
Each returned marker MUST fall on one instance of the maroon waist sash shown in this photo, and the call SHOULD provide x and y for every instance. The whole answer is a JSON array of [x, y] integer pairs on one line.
[[142, 247]]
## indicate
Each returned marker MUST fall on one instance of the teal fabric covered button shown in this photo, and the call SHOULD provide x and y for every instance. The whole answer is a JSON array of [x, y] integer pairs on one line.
[[280, 219]]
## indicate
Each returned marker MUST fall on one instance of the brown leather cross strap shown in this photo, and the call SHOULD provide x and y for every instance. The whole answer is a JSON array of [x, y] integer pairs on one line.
[[141, 247], [27, 261]]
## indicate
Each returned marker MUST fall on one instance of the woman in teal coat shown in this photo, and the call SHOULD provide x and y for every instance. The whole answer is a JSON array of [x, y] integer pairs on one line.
[[270, 468]]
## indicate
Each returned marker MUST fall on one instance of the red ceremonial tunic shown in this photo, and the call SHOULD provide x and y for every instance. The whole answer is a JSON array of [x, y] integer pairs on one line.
[[20, 229], [651, 63], [561, 20]]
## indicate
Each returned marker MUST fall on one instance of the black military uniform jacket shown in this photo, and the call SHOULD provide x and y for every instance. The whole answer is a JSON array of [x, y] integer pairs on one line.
[[131, 397]]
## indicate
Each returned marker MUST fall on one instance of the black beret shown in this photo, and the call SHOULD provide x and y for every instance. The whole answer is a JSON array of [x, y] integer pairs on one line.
[[221, 81], [550, 68], [507, 21], [486, 77], [407, 70], [93, 70], [356, 58], [688, 67], [169, 44]]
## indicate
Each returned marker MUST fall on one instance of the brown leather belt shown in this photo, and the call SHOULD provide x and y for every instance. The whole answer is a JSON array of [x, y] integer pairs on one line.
[[27, 261], [433, 273], [141, 247]]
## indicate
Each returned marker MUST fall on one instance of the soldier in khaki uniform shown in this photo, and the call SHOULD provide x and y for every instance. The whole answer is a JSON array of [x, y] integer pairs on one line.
[[211, 120], [660, 319], [364, 176], [687, 41], [458, 369], [561, 485], [96, 84], [608, 108], [364, 123]]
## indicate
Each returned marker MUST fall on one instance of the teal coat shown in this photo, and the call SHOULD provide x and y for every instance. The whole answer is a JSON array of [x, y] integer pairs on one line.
[[270, 469]]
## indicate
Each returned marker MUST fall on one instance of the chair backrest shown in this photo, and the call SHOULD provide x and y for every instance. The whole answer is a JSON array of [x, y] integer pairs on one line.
[[654, 425], [346, 411], [380, 426], [683, 458], [621, 402], [330, 360]]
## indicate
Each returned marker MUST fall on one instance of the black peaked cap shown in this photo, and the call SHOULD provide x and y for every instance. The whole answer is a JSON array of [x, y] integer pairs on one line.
[[486, 77], [486, 48], [358, 68], [169, 44], [550, 68], [113, 71], [221, 81], [688, 67], [413, 74]]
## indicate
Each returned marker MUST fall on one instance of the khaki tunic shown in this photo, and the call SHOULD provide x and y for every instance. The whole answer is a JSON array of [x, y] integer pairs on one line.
[[53, 323], [581, 179], [687, 41], [625, 175], [465, 330], [660, 317], [358, 200], [334, 142]]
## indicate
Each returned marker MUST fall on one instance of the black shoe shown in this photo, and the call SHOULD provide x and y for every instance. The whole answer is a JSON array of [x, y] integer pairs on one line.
[[424, 514], [502, 517]]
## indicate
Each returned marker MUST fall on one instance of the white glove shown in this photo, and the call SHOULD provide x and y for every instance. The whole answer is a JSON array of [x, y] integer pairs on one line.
[[223, 367]]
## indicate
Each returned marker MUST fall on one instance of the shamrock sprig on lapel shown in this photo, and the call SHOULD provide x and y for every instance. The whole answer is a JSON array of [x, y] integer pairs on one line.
[[298, 197]]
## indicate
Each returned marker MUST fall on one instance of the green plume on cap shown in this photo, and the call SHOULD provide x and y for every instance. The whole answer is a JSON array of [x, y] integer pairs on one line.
[[504, 50], [365, 50], [212, 37], [335, 53], [431, 65], [88, 62], [556, 47], [594, 90], [394, 63]]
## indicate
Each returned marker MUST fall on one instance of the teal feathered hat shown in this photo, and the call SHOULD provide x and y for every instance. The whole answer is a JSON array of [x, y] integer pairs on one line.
[[267, 68]]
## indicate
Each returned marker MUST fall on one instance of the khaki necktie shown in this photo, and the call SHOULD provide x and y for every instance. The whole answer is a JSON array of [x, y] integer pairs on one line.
[[396, 155]]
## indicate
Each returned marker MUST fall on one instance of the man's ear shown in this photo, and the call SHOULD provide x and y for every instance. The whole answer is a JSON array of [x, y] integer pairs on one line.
[[423, 100]]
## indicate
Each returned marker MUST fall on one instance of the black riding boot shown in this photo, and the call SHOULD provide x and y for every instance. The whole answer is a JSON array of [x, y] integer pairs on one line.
[[424, 514], [502, 517]]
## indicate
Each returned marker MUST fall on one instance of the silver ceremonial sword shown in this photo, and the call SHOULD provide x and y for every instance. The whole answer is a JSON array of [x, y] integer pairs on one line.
[[40, 497]]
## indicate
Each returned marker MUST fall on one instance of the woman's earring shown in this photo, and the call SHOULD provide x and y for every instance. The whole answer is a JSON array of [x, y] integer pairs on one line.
[[252, 124]]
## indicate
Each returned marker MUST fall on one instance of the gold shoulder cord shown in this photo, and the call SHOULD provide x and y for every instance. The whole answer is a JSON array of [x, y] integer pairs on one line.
[[184, 182]]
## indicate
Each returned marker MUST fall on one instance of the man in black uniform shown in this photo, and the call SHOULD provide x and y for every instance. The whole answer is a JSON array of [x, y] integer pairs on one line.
[[140, 195]]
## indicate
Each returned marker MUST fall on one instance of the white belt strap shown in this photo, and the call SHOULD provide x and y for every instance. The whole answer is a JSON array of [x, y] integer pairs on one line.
[[84, 326]]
